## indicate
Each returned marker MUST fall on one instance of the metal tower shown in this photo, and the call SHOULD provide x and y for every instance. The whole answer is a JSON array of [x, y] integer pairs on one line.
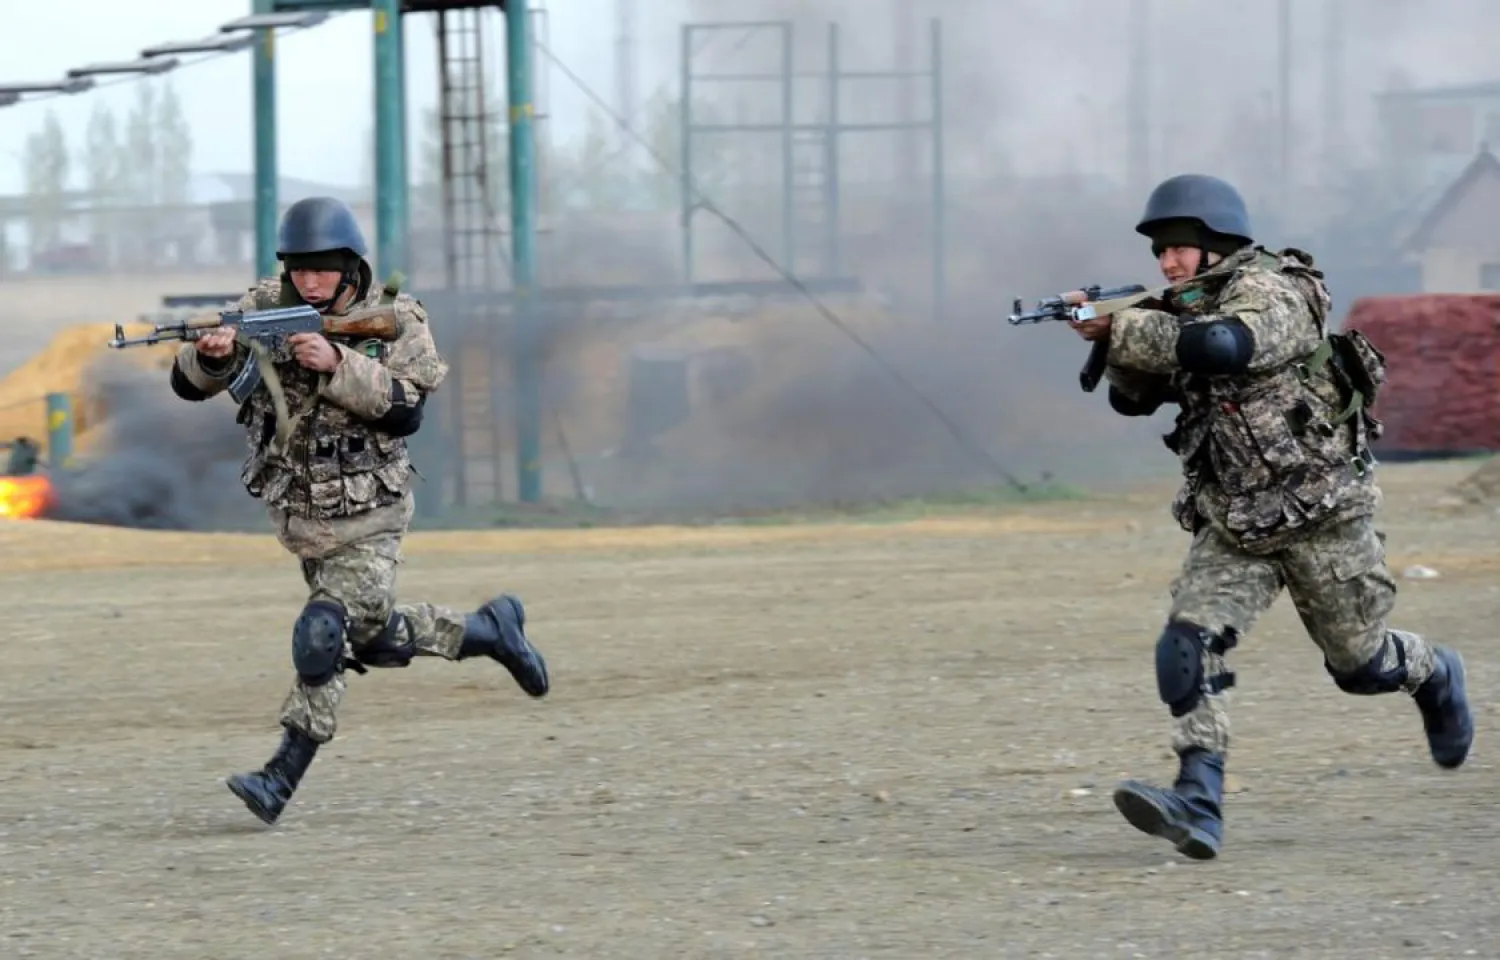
[[810, 149]]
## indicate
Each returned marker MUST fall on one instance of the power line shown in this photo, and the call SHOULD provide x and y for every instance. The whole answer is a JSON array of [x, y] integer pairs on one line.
[[972, 449]]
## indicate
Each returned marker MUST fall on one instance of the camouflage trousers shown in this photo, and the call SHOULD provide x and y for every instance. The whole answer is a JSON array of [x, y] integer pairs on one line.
[[362, 576], [1343, 592]]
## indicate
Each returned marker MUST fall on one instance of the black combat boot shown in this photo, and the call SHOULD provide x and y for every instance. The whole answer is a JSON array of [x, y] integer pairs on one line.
[[267, 791], [1444, 701], [497, 630], [1188, 815]]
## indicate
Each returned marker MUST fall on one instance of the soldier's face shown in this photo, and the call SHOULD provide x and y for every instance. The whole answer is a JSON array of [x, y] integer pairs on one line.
[[1180, 263], [316, 285]]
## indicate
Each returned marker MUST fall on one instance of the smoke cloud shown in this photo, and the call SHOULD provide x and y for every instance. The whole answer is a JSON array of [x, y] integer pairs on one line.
[[161, 463]]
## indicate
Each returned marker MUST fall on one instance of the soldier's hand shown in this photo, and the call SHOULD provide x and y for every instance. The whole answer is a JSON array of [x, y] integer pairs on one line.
[[1091, 329], [314, 352], [217, 343]]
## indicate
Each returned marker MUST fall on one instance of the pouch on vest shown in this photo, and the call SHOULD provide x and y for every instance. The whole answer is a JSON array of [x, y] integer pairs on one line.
[[1359, 368]]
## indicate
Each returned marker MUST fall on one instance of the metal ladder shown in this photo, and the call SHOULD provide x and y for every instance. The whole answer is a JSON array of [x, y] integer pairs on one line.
[[812, 203], [474, 251]]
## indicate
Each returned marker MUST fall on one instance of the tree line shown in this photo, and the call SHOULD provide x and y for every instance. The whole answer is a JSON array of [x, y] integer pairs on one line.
[[123, 167]]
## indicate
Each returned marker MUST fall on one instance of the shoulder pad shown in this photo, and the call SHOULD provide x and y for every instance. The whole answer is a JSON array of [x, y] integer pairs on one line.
[[1266, 260], [409, 308], [266, 294], [1296, 261], [413, 307]]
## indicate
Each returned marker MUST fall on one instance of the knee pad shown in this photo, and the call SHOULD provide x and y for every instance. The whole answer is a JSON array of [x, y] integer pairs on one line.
[[393, 646], [318, 642], [1182, 676], [1373, 677]]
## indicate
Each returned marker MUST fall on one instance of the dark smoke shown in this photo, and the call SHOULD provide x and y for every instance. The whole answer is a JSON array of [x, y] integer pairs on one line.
[[161, 463], [824, 422]]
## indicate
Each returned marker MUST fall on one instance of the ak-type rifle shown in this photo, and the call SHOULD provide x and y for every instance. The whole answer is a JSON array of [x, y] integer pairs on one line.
[[265, 332]]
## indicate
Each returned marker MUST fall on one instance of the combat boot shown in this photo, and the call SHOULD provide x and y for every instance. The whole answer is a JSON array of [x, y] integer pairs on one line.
[[1188, 815], [1444, 701], [267, 790], [498, 630]]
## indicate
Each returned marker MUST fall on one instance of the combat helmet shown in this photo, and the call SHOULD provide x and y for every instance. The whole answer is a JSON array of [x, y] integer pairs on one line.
[[1196, 210], [321, 233]]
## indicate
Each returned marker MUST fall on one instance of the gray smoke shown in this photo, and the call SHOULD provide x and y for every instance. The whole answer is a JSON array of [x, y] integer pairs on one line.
[[161, 463]]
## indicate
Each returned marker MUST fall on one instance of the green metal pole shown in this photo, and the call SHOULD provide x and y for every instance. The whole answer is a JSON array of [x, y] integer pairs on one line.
[[523, 252], [788, 156], [390, 149], [265, 145], [939, 188], [689, 197], [403, 155], [59, 430]]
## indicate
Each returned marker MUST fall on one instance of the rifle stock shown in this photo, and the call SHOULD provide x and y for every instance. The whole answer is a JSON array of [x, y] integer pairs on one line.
[[378, 322]]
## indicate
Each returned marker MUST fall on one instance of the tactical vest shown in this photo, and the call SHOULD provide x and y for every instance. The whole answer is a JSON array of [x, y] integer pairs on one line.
[[1284, 449], [333, 464]]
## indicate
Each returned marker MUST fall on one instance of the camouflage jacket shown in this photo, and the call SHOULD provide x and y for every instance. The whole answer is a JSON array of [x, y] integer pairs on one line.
[[1265, 454], [337, 462]]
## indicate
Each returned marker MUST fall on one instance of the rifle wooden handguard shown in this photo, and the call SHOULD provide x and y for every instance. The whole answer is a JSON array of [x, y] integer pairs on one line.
[[378, 322]]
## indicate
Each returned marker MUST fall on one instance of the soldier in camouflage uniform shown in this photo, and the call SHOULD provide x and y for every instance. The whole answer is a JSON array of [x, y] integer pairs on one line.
[[1280, 491], [338, 489]]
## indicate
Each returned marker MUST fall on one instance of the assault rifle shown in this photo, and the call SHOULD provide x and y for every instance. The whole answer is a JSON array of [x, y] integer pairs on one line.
[[265, 332], [1096, 302]]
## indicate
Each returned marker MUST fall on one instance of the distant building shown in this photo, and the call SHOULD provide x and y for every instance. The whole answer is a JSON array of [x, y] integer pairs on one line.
[[1441, 128], [1457, 241]]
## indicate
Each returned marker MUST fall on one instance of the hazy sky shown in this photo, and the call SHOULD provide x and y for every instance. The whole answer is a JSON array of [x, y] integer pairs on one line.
[[325, 74], [1007, 78]]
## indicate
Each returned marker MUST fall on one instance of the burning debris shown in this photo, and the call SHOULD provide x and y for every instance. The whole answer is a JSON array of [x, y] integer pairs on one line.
[[25, 498]]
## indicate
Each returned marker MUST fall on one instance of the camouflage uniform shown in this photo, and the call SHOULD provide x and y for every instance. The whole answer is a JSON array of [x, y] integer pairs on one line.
[[336, 483], [339, 494], [1279, 492]]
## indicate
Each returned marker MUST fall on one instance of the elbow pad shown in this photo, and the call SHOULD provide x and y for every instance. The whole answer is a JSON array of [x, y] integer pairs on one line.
[[405, 414], [1128, 406], [185, 388], [1221, 347]]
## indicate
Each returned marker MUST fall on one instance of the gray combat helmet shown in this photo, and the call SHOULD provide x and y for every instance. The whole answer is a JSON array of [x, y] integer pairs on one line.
[[319, 225], [1212, 202]]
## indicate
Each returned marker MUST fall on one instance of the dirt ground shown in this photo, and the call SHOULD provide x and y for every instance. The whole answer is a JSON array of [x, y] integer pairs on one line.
[[863, 740]]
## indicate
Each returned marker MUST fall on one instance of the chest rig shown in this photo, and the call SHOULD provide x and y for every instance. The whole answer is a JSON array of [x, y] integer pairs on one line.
[[324, 462], [1284, 448]]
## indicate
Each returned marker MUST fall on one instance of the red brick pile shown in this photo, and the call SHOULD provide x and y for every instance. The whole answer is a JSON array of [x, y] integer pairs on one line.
[[1442, 355]]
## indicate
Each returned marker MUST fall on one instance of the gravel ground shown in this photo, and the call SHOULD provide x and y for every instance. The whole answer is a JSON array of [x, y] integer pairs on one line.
[[852, 741]]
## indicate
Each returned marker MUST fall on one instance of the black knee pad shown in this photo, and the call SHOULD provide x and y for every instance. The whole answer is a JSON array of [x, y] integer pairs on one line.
[[1180, 678], [318, 642], [1372, 678], [393, 646]]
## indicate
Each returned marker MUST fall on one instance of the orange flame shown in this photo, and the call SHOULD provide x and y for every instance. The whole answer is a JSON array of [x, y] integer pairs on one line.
[[23, 498]]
